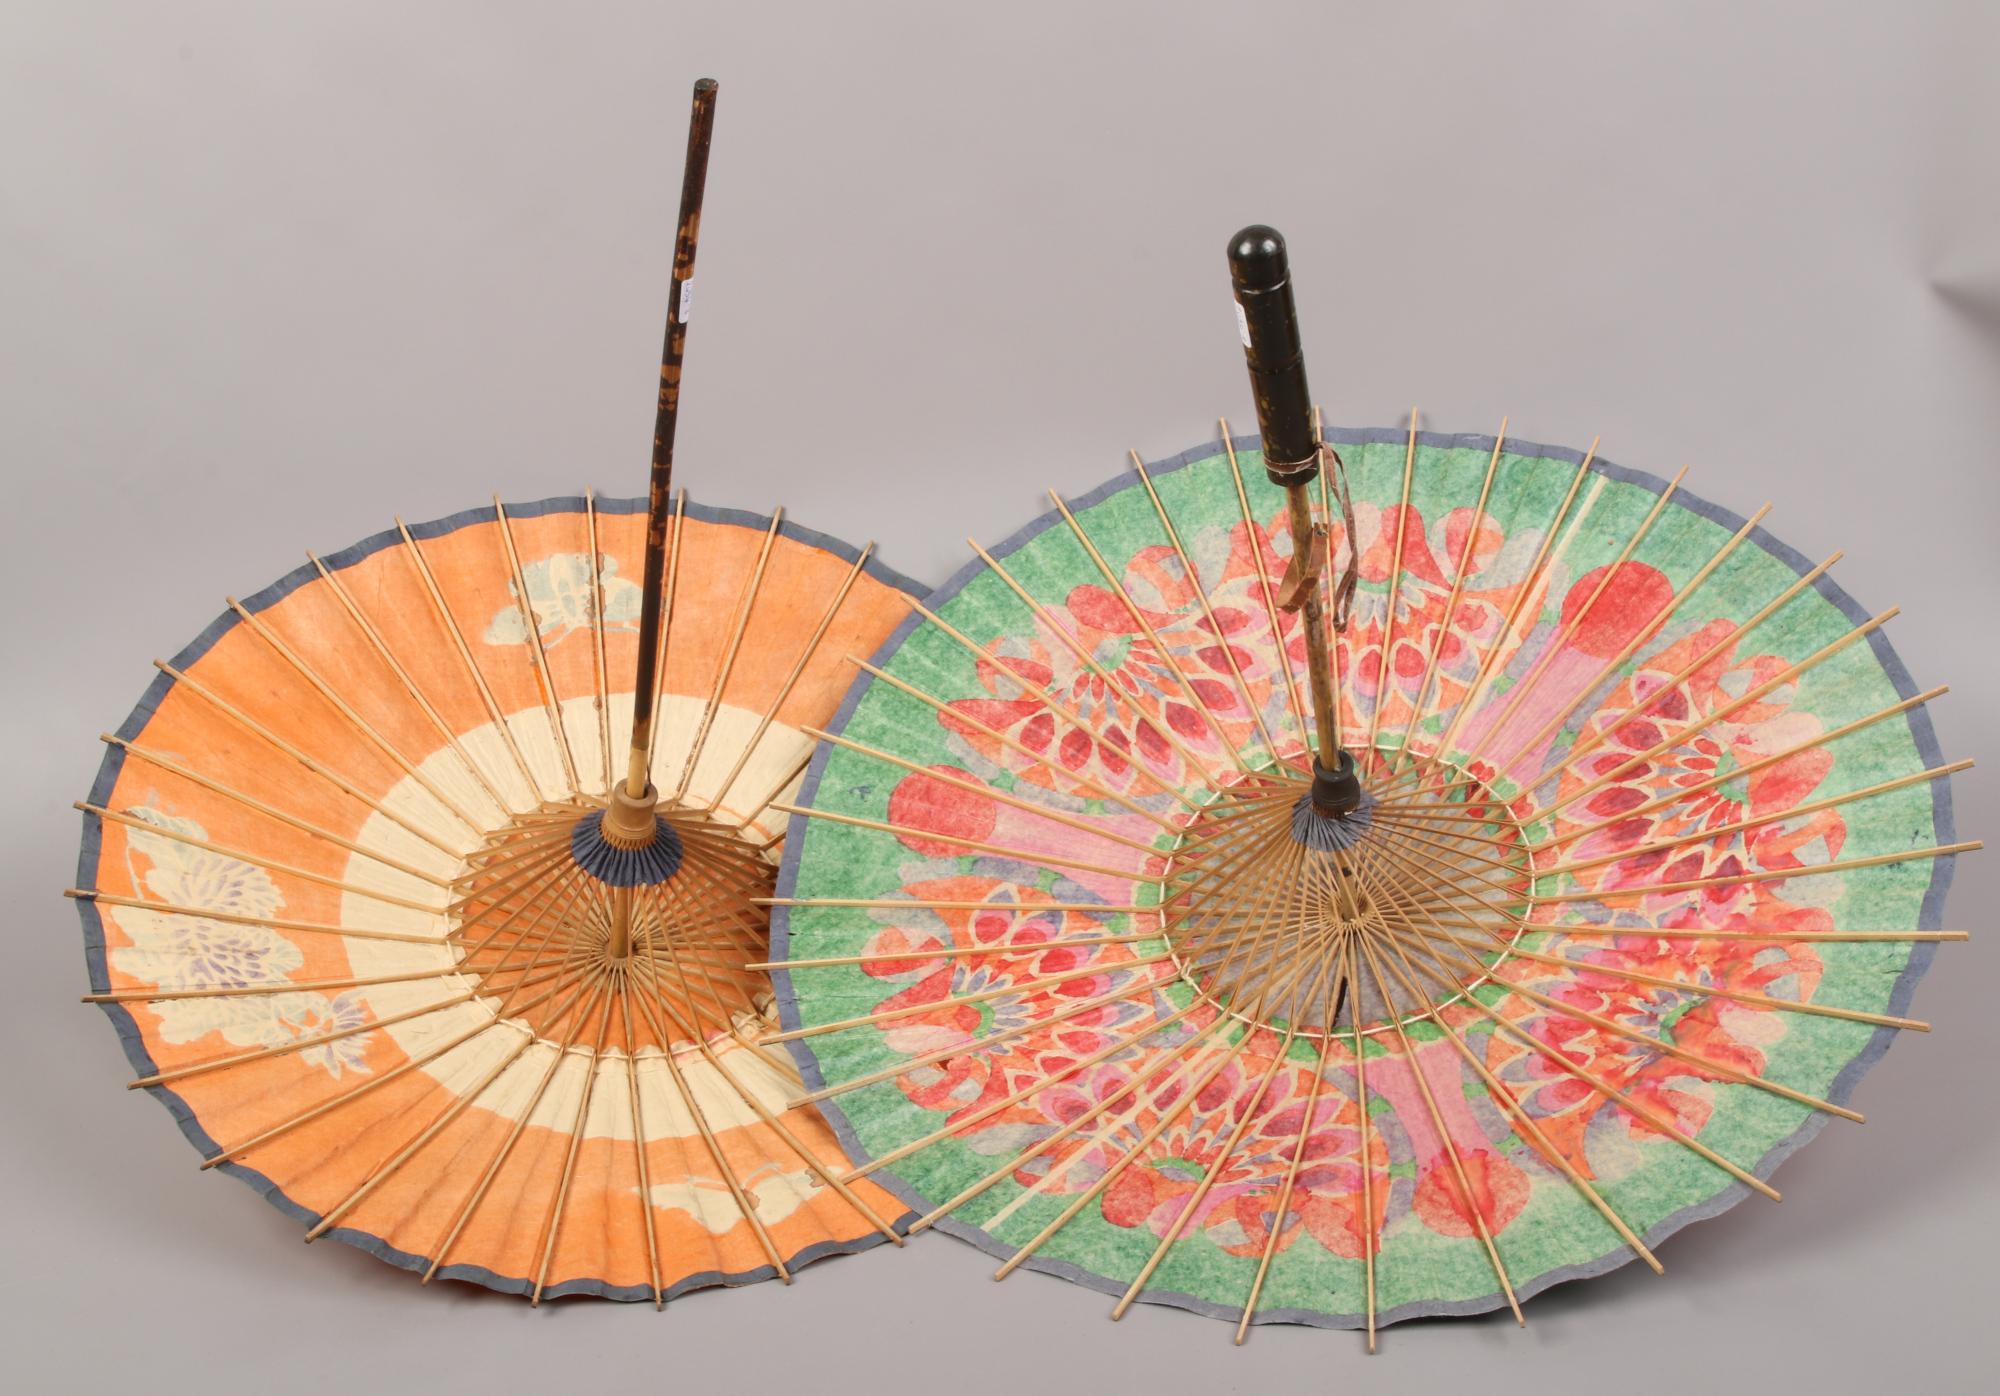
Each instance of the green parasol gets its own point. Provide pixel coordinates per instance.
(1631, 847)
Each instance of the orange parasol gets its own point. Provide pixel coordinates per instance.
(404, 942)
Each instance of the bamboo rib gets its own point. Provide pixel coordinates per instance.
(1221, 1020)
(551, 703)
(777, 1125)
(1712, 991)
(1393, 595)
(1772, 875)
(881, 826)
(514, 857)
(338, 782)
(957, 952)
(1530, 584)
(564, 980)
(1117, 1169)
(770, 797)
(1257, 538)
(1412, 818)
(1023, 987)
(1100, 791)
(298, 1044)
(167, 763)
(1183, 1059)
(478, 1194)
(1612, 1026)
(1451, 607)
(285, 986)
(1283, 1209)
(1739, 773)
(743, 1204)
(1616, 663)
(999, 796)
(1371, 1235)
(354, 719)
(1720, 714)
(785, 689)
(234, 1151)
(970, 1047)
(919, 905)
(647, 1221)
(1466, 1194)
(388, 1170)
(255, 859)
(1160, 728)
(1180, 1059)
(1755, 821)
(231, 918)
(1652, 1119)
(1193, 574)
(961, 1123)
(1774, 935)
(383, 652)
(1188, 1212)
(451, 628)
(602, 667)
(1523, 1121)
(727, 664)
(1519, 693)
(1588, 740)
(592, 1069)
(1167, 660)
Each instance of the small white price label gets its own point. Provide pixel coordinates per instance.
(1242, 323)
(687, 299)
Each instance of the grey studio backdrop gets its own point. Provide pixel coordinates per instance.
(271, 275)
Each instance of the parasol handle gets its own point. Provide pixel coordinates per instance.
(1260, 274)
(658, 509)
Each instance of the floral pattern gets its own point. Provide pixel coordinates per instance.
(1238, 1208)
(1549, 685)
(1118, 737)
(1684, 787)
(176, 952)
(563, 594)
(1384, 666)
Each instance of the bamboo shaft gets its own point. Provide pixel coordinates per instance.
(701, 125)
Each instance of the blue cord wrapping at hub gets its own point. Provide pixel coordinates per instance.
(625, 867)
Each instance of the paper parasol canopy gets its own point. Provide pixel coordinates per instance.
(330, 905)
(1653, 841)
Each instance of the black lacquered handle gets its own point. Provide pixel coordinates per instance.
(1261, 275)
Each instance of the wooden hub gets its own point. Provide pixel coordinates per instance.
(548, 941)
(1279, 933)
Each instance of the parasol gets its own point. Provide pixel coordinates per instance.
(408, 939)
(1393, 925)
